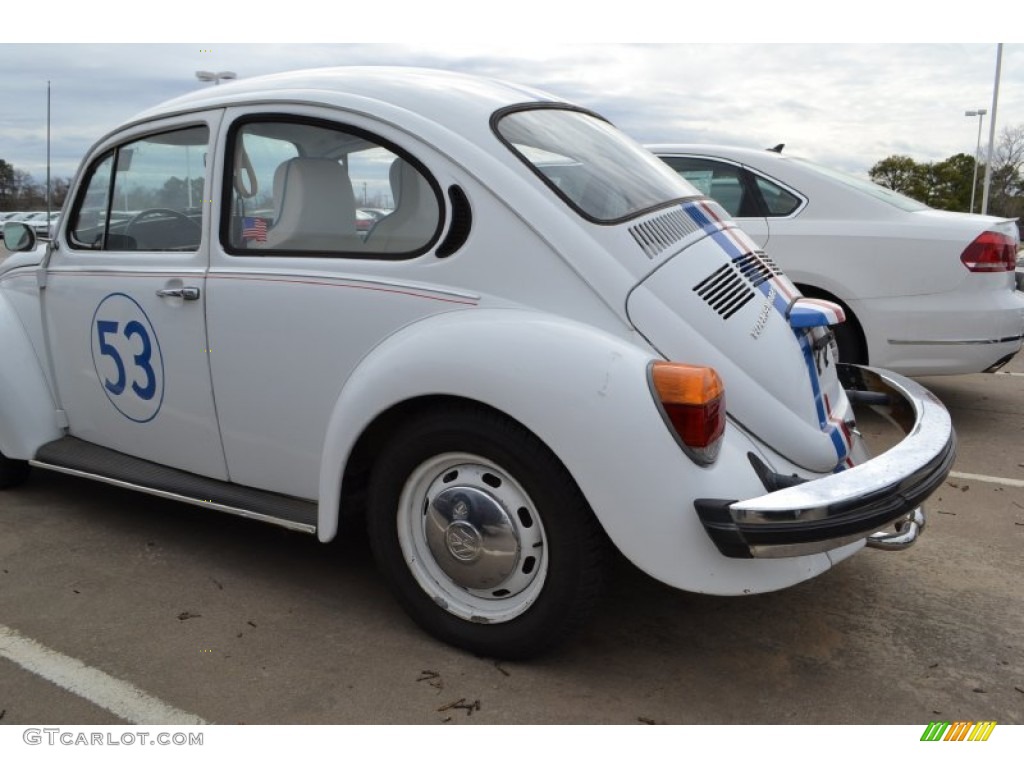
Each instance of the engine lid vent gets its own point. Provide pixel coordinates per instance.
(725, 290)
(656, 234)
(755, 268)
(729, 288)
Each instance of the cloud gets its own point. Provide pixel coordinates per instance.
(844, 105)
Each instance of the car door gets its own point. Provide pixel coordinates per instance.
(298, 293)
(731, 186)
(124, 299)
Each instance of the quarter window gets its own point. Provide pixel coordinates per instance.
(740, 192)
(777, 201)
(304, 187)
(90, 217)
(146, 195)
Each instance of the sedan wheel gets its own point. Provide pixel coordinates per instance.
(850, 342)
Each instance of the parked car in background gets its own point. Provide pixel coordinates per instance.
(376, 213)
(924, 291)
(364, 221)
(51, 224)
(552, 343)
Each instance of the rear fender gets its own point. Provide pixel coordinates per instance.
(585, 394)
(562, 380)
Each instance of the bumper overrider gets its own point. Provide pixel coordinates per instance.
(808, 516)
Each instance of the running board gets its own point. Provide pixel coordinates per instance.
(77, 457)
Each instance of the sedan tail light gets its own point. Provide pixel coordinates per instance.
(692, 400)
(991, 252)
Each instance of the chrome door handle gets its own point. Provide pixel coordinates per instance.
(188, 293)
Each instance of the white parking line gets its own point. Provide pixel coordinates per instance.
(116, 696)
(988, 479)
(1008, 373)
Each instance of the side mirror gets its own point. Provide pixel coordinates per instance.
(19, 236)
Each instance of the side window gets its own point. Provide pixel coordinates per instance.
(89, 220)
(146, 195)
(328, 190)
(779, 202)
(720, 181)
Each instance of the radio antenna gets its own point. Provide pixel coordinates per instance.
(47, 151)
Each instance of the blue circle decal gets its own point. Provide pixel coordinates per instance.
(127, 357)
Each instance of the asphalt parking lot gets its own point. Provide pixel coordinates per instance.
(230, 621)
(220, 620)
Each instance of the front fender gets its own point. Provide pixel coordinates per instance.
(561, 379)
(27, 410)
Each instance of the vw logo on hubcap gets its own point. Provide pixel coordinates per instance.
(463, 541)
(469, 533)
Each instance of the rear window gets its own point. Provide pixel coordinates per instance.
(876, 191)
(594, 167)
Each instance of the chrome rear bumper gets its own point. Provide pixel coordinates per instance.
(829, 512)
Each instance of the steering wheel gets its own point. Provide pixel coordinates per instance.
(153, 212)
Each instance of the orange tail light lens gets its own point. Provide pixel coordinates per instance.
(692, 400)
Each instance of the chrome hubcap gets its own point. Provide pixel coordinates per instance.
(472, 538)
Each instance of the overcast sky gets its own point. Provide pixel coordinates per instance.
(846, 105)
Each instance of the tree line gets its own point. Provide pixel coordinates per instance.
(947, 184)
(20, 191)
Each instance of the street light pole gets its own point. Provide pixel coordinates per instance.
(992, 130)
(980, 114)
(214, 77)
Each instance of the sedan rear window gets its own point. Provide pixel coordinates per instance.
(590, 164)
(876, 191)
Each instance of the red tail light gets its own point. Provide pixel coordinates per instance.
(991, 252)
(692, 400)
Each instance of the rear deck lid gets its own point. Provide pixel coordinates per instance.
(722, 302)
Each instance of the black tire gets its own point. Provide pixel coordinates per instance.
(482, 534)
(850, 341)
(12, 472)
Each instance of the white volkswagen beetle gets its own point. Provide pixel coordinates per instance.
(551, 342)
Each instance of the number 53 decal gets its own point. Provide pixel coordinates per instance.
(127, 357)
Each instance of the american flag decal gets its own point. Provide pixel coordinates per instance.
(254, 229)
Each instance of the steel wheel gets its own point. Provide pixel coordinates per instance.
(482, 534)
(472, 537)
